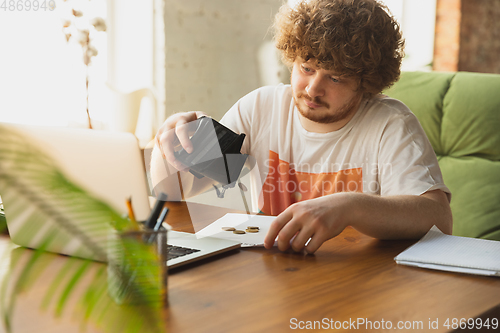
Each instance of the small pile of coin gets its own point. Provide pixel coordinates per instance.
(252, 229)
(235, 231)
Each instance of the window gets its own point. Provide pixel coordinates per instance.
(417, 20)
(43, 76)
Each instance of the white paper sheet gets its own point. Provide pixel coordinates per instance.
(452, 253)
(241, 222)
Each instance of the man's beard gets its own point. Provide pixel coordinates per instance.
(319, 116)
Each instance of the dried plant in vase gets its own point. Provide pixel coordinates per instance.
(82, 30)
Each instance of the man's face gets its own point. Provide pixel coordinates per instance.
(322, 96)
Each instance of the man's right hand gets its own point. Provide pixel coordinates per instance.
(174, 131)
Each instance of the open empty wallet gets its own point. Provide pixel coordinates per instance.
(216, 152)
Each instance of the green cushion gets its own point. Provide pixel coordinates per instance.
(475, 185)
(460, 113)
(471, 116)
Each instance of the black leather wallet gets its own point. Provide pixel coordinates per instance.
(216, 152)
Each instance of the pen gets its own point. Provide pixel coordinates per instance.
(155, 213)
(131, 214)
(158, 225)
(162, 218)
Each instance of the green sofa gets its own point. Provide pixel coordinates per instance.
(460, 112)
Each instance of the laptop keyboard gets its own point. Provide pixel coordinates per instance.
(178, 251)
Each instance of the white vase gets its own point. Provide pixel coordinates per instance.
(126, 108)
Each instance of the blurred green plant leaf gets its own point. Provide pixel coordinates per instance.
(38, 192)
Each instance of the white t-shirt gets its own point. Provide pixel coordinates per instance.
(383, 150)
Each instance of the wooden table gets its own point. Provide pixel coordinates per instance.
(351, 279)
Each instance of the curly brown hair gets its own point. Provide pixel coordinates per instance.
(355, 38)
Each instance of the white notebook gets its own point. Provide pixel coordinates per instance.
(452, 253)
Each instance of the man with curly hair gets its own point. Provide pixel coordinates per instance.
(332, 151)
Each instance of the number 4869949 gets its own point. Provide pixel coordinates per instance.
(27, 5)
(471, 323)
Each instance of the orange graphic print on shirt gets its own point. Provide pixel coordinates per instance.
(284, 185)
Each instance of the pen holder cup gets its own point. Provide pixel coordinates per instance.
(137, 269)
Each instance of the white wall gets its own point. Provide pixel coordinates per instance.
(212, 51)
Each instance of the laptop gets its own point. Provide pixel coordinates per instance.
(108, 166)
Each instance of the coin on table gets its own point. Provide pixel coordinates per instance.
(238, 232)
(228, 229)
(250, 227)
(252, 230)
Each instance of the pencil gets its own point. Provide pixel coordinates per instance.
(135, 225)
